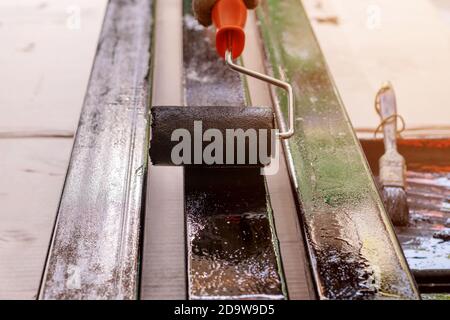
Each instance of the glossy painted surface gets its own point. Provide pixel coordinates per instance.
(232, 247)
(425, 240)
(95, 247)
(351, 242)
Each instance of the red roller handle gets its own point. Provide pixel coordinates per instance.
(229, 17)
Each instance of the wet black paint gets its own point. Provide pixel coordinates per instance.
(230, 240)
(232, 249)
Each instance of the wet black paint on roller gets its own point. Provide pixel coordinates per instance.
(165, 120)
(230, 240)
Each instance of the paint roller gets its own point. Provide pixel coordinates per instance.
(218, 135)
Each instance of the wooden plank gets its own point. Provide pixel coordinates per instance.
(43, 79)
(95, 246)
(351, 243)
(164, 264)
(369, 42)
(33, 167)
(443, 7)
(43, 83)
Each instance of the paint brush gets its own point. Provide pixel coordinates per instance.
(392, 163)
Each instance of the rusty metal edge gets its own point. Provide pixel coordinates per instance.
(95, 247)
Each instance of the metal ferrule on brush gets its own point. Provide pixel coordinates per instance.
(392, 169)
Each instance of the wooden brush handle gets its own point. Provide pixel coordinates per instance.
(388, 108)
(392, 164)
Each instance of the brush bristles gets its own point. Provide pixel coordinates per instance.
(396, 204)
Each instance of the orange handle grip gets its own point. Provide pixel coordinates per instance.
(229, 17)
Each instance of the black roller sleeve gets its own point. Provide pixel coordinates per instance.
(165, 120)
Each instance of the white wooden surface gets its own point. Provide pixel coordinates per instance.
(32, 173)
(443, 7)
(367, 42)
(45, 61)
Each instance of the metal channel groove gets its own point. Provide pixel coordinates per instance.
(163, 257)
(94, 253)
(232, 248)
(352, 245)
(292, 247)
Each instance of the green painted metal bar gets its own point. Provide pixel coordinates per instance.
(353, 249)
(232, 248)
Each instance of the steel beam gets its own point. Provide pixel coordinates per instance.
(94, 252)
(353, 248)
(232, 246)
